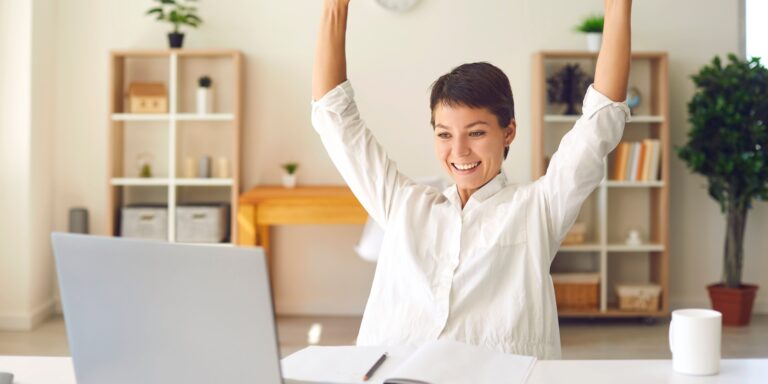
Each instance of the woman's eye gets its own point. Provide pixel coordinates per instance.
(443, 135)
(477, 133)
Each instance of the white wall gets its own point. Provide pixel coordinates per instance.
(26, 294)
(393, 58)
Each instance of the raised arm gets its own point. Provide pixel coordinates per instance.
(330, 67)
(612, 72)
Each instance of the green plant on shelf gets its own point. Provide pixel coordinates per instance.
(591, 24)
(204, 82)
(290, 168)
(176, 12)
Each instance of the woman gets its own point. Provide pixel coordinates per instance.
(470, 263)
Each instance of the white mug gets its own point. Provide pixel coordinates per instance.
(694, 339)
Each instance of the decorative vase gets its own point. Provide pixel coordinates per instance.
(734, 303)
(289, 180)
(204, 100)
(175, 40)
(594, 40)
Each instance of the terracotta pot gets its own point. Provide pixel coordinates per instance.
(734, 303)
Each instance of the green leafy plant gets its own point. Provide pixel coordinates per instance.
(204, 82)
(290, 168)
(728, 144)
(592, 23)
(177, 13)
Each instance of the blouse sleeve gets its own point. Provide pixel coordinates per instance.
(577, 167)
(362, 162)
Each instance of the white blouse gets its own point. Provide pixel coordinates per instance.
(478, 275)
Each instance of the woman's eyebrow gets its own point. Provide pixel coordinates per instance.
(470, 125)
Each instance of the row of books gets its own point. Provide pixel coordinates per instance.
(637, 161)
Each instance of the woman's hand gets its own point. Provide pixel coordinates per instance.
(612, 72)
(330, 66)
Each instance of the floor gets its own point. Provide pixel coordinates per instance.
(581, 339)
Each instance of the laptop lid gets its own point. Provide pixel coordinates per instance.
(154, 312)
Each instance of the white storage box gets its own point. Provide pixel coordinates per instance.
(638, 297)
(144, 222)
(201, 223)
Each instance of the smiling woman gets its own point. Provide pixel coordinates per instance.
(469, 263)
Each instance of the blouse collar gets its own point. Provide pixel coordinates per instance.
(489, 189)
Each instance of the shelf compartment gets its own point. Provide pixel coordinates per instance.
(127, 68)
(219, 68)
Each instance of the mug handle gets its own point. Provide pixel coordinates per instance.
(671, 332)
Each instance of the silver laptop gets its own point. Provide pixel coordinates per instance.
(153, 312)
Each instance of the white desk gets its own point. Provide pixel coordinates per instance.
(58, 370)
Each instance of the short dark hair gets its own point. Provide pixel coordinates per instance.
(475, 85)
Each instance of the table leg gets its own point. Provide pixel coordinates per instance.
(246, 225)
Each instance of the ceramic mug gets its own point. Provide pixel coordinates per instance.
(694, 340)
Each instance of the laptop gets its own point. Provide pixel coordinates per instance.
(154, 312)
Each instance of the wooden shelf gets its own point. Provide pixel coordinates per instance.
(212, 182)
(139, 181)
(635, 248)
(179, 136)
(205, 117)
(140, 117)
(615, 206)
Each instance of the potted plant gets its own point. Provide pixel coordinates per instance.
(592, 26)
(204, 95)
(728, 144)
(289, 177)
(178, 14)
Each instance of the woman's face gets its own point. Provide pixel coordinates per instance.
(470, 144)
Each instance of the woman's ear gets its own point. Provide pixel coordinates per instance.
(510, 132)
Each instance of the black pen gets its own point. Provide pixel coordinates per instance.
(376, 366)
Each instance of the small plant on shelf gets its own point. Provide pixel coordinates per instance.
(204, 95)
(178, 13)
(592, 26)
(289, 177)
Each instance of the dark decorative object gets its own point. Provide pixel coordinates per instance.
(204, 82)
(177, 13)
(727, 144)
(78, 220)
(568, 86)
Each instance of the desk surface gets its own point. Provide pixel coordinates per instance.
(58, 370)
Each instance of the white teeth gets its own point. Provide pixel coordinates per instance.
(464, 167)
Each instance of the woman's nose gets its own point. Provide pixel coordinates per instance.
(460, 147)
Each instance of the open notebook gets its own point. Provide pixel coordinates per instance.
(435, 362)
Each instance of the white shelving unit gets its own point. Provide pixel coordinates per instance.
(615, 205)
(184, 132)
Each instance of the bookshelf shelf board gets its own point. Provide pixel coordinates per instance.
(580, 248)
(573, 118)
(139, 181)
(633, 184)
(635, 248)
(205, 117)
(610, 312)
(140, 117)
(203, 182)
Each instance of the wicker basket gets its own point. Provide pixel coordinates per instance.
(638, 297)
(577, 291)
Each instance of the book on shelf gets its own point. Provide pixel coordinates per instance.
(637, 161)
(434, 362)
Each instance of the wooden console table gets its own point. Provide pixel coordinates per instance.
(264, 206)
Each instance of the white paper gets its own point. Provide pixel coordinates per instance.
(451, 362)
